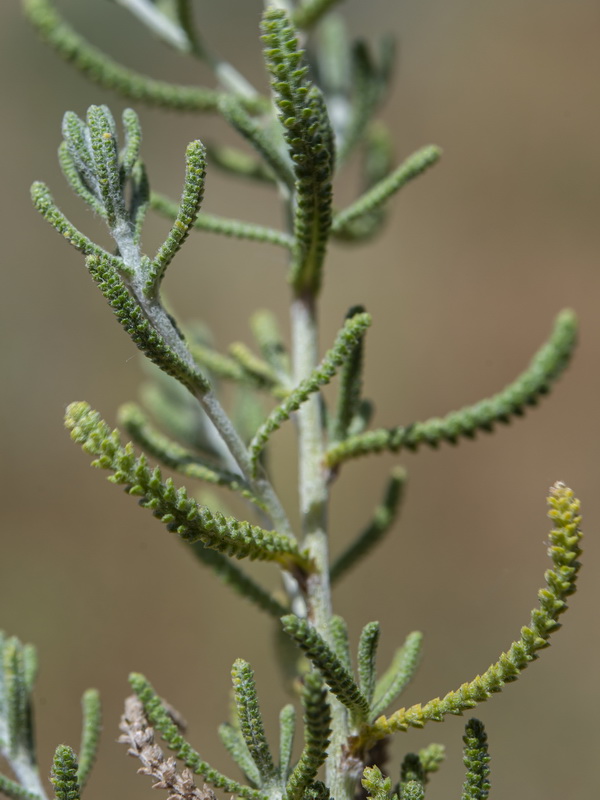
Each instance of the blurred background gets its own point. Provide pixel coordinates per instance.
(478, 257)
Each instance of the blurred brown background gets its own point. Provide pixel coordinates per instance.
(464, 284)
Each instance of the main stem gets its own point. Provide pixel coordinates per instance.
(314, 498)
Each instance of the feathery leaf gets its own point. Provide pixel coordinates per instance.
(228, 227)
(375, 197)
(44, 203)
(138, 734)
(545, 367)
(376, 786)
(257, 370)
(476, 760)
(15, 791)
(367, 652)
(15, 704)
(350, 387)
(343, 347)
(431, 758)
(237, 162)
(64, 774)
(193, 192)
(287, 729)
(323, 658)
(384, 517)
(107, 73)
(226, 367)
(90, 734)
(399, 674)
(269, 339)
(338, 631)
(143, 334)
(250, 719)
(413, 790)
(311, 11)
(377, 165)
(238, 750)
(234, 577)
(412, 770)
(17, 745)
(173, 455)
(317, 722)
(309, 138)
(105, 177)
(161, 720)
(30, 666)
(369, 82)
(259, 138)
(172, 506)
(564, 550)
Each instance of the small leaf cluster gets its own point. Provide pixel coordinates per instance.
(244, 738)
(69, 774)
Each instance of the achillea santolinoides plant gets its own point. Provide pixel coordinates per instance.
(324, 94)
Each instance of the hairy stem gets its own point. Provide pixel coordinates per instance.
(313, 508)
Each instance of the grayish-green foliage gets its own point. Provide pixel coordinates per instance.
(325, 91)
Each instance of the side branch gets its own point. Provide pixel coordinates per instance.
(564, 551)
(546, 366)
(180, 513)
(110, 75)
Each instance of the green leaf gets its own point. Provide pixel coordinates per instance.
(431, 758)
(413, 790)
(16, 703)
(105, 178)
(15, 791)
(317, 730)
(546, 366)
(476, 760)
(161, 720)
(323, 658)
(175, 456)
(270, 341)
(237, 162)
(343, 347)
(412, 770)
(143, 334)
(375, 197)
(258, 371)
(234, 577)
(377, 164)
(309, 138)
(259, 138)
(238, 750)
(222, 225)
(109, 74)
(90, 735)
(367, 652)
(564, 550)
(18, 666)
(44, 203)
(369, 82)
(338, 631)
(64, 774)
(349, 394)
(384, 518)
(376, 786)
(191, 199)
(287, 729)
(399, 674)
(172, 506)
(310, 12)
(250, 719)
